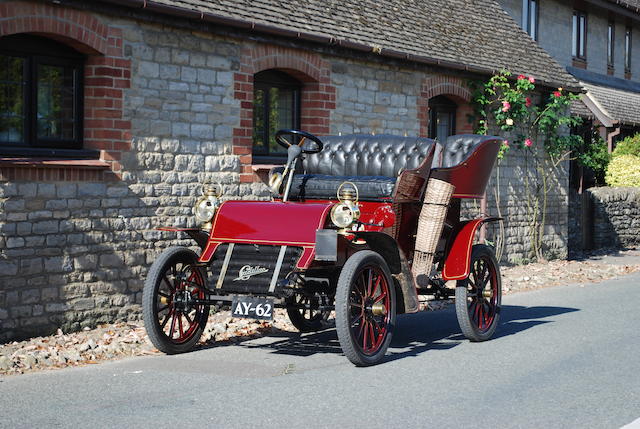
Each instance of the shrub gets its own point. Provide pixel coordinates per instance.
(624, 170)
(628, 146)
(595, 155)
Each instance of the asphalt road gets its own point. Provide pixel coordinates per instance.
(564, 357)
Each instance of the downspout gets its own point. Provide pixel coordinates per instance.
(611, 136)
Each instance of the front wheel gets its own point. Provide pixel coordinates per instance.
(174, 322)
(478, 297)
(365, 308)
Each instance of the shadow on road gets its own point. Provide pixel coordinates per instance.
(415, 333)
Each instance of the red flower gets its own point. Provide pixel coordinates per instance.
(527, 102)
(557, 94)
(528, 143)
(532, 80)
(521, 77)
(506, 106)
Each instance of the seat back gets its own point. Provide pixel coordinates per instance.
(458, 148)
(367, 155)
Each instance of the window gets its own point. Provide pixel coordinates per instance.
(276, 105)
(611, 40)
(40, 95)
(530, 17)
(442, 117)
(627, 50)
(579, 35)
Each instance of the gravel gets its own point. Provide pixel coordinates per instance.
(120, 340)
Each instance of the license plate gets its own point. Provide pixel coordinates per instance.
(253, 308)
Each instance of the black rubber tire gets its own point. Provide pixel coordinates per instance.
(173, 256)
(316, 322)
(471, 302)
(353, 268)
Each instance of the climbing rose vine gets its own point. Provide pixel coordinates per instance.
(538, 133)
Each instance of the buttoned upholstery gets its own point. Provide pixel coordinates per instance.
(372, 162)
(459, 147)
(367, 155)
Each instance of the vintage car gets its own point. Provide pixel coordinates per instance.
(367, 226)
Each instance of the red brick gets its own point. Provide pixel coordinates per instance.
(246, 178)
(241, 150)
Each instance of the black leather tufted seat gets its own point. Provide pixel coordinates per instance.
(459, 147)
(372, 162)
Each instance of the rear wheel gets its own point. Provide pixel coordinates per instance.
(365, 308)
(478, 297)
(173, 321)
(305, 313)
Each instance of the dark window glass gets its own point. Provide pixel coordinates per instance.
(442, 117)
(530, 17)
(611, 39)
(12, 92)
(579, 37)
(276, 105)
(40, 94)
(627, 49)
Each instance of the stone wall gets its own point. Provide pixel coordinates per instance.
(616, 217)
(75, 248)
(506, 198)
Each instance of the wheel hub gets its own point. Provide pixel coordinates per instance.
(487, 293)
(181, 300)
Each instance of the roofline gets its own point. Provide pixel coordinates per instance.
(211, 18)
(618, 7)
(598, 110)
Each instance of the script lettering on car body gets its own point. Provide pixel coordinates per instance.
(247, 271)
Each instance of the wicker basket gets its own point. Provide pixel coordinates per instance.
(430, 223)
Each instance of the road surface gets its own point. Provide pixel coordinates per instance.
(563, 357)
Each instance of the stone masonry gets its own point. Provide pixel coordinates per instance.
(75, 248)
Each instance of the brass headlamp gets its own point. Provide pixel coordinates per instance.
(346, 212)
(207, 204)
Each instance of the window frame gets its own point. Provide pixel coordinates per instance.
(528, 17)
(628, 48)
(611, 44)
(283, 81)
(442, 104)
(31, 49)
(579, 35)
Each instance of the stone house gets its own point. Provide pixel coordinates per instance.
(113, 112)
(594, 41)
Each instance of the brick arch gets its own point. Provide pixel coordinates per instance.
(73, 27)
(451, 86)
(107, 72)
(318, 94)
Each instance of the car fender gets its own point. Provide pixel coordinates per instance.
(200, 236)
(456, 266)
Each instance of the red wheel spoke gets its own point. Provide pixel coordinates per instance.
(356, 320)
(366, 332)
(166, 319)
(369, 291)
(173, 324)
(180, 330)
(186, 316)
(372, 337)
(380, 297)
(168, 282)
